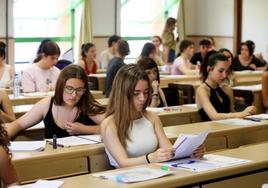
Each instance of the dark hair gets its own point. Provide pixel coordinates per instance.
(87, 104)
(185, 44)
(222, 50)
(227, 50)
(85, 47)
(205, 42)
(170, 22)
(4, 140)
(148, 63)
(212, 58)
(158, 37)
(39, 50)
(147, 49)
(123, 47)
(49, 48)
(252, 44)
(2, 49)
(112, 39)
(250, 48)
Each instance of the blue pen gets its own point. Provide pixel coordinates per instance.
(120, 178)
(188, 162)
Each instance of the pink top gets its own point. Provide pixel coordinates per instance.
(175, 67)
(36, 79)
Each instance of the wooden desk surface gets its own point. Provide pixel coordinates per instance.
(60, 162)
(221, 135)
(257, 173)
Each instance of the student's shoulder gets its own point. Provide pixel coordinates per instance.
(108, 121)
(203, 88)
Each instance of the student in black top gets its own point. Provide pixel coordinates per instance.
(245, 60)
(204, 47)
(69, 112)
(115, 64)
(214, 98)
(151, 69)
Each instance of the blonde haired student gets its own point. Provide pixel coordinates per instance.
(214, 97)
(132, 135)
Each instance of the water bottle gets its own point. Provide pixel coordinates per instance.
(16, 87)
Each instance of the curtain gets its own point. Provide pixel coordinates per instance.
(180, 21)
(85, 26)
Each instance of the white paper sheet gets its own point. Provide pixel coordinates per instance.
(93, 137)
(23, 146)
(134, 175)
(72, 141)
(237, 121)
(41, 184)
(209, 162)
(186, 144)
(259, 116)
(257, 87)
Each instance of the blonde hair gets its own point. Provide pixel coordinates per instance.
(121, 105)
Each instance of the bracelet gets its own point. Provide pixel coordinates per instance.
(147, 158)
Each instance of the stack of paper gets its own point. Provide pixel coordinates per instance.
(17, 146)
(209, 162)
(77, 140)
(133, 175)
(186, 144)
(41, 184)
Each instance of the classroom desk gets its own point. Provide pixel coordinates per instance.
(255, 91)
(247, 175)
(61, 162)
(98, 81)
(222, 136)
(247, 77)
(19, 110)
(166, 79)
(32, 99)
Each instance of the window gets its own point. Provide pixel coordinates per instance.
(141, 19)
(35, 20)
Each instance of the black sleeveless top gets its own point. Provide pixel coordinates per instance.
(52, 128)
(220, 106)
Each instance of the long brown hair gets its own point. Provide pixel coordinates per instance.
(87, 104)
(4, 140)
(121, 97)
(168, 25)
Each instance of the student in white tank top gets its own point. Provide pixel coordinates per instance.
(132, 135)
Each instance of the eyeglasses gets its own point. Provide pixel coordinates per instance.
(79, 91)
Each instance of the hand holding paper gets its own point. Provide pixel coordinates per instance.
(185, 144)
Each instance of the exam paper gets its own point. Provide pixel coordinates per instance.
(208, 162)
(137, 174)
(237, 121)
(24, 146)
(75, 140)
(259, 116)
(41, 184)
(186, 144)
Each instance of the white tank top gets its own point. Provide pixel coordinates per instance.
(142, 140)
(5, 79)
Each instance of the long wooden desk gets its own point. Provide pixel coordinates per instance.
(247, 77)
(32, 99)
(61, 162)
(221, 135)
(255, 92)
(248, 175)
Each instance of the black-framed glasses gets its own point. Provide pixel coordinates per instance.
(79, 91)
